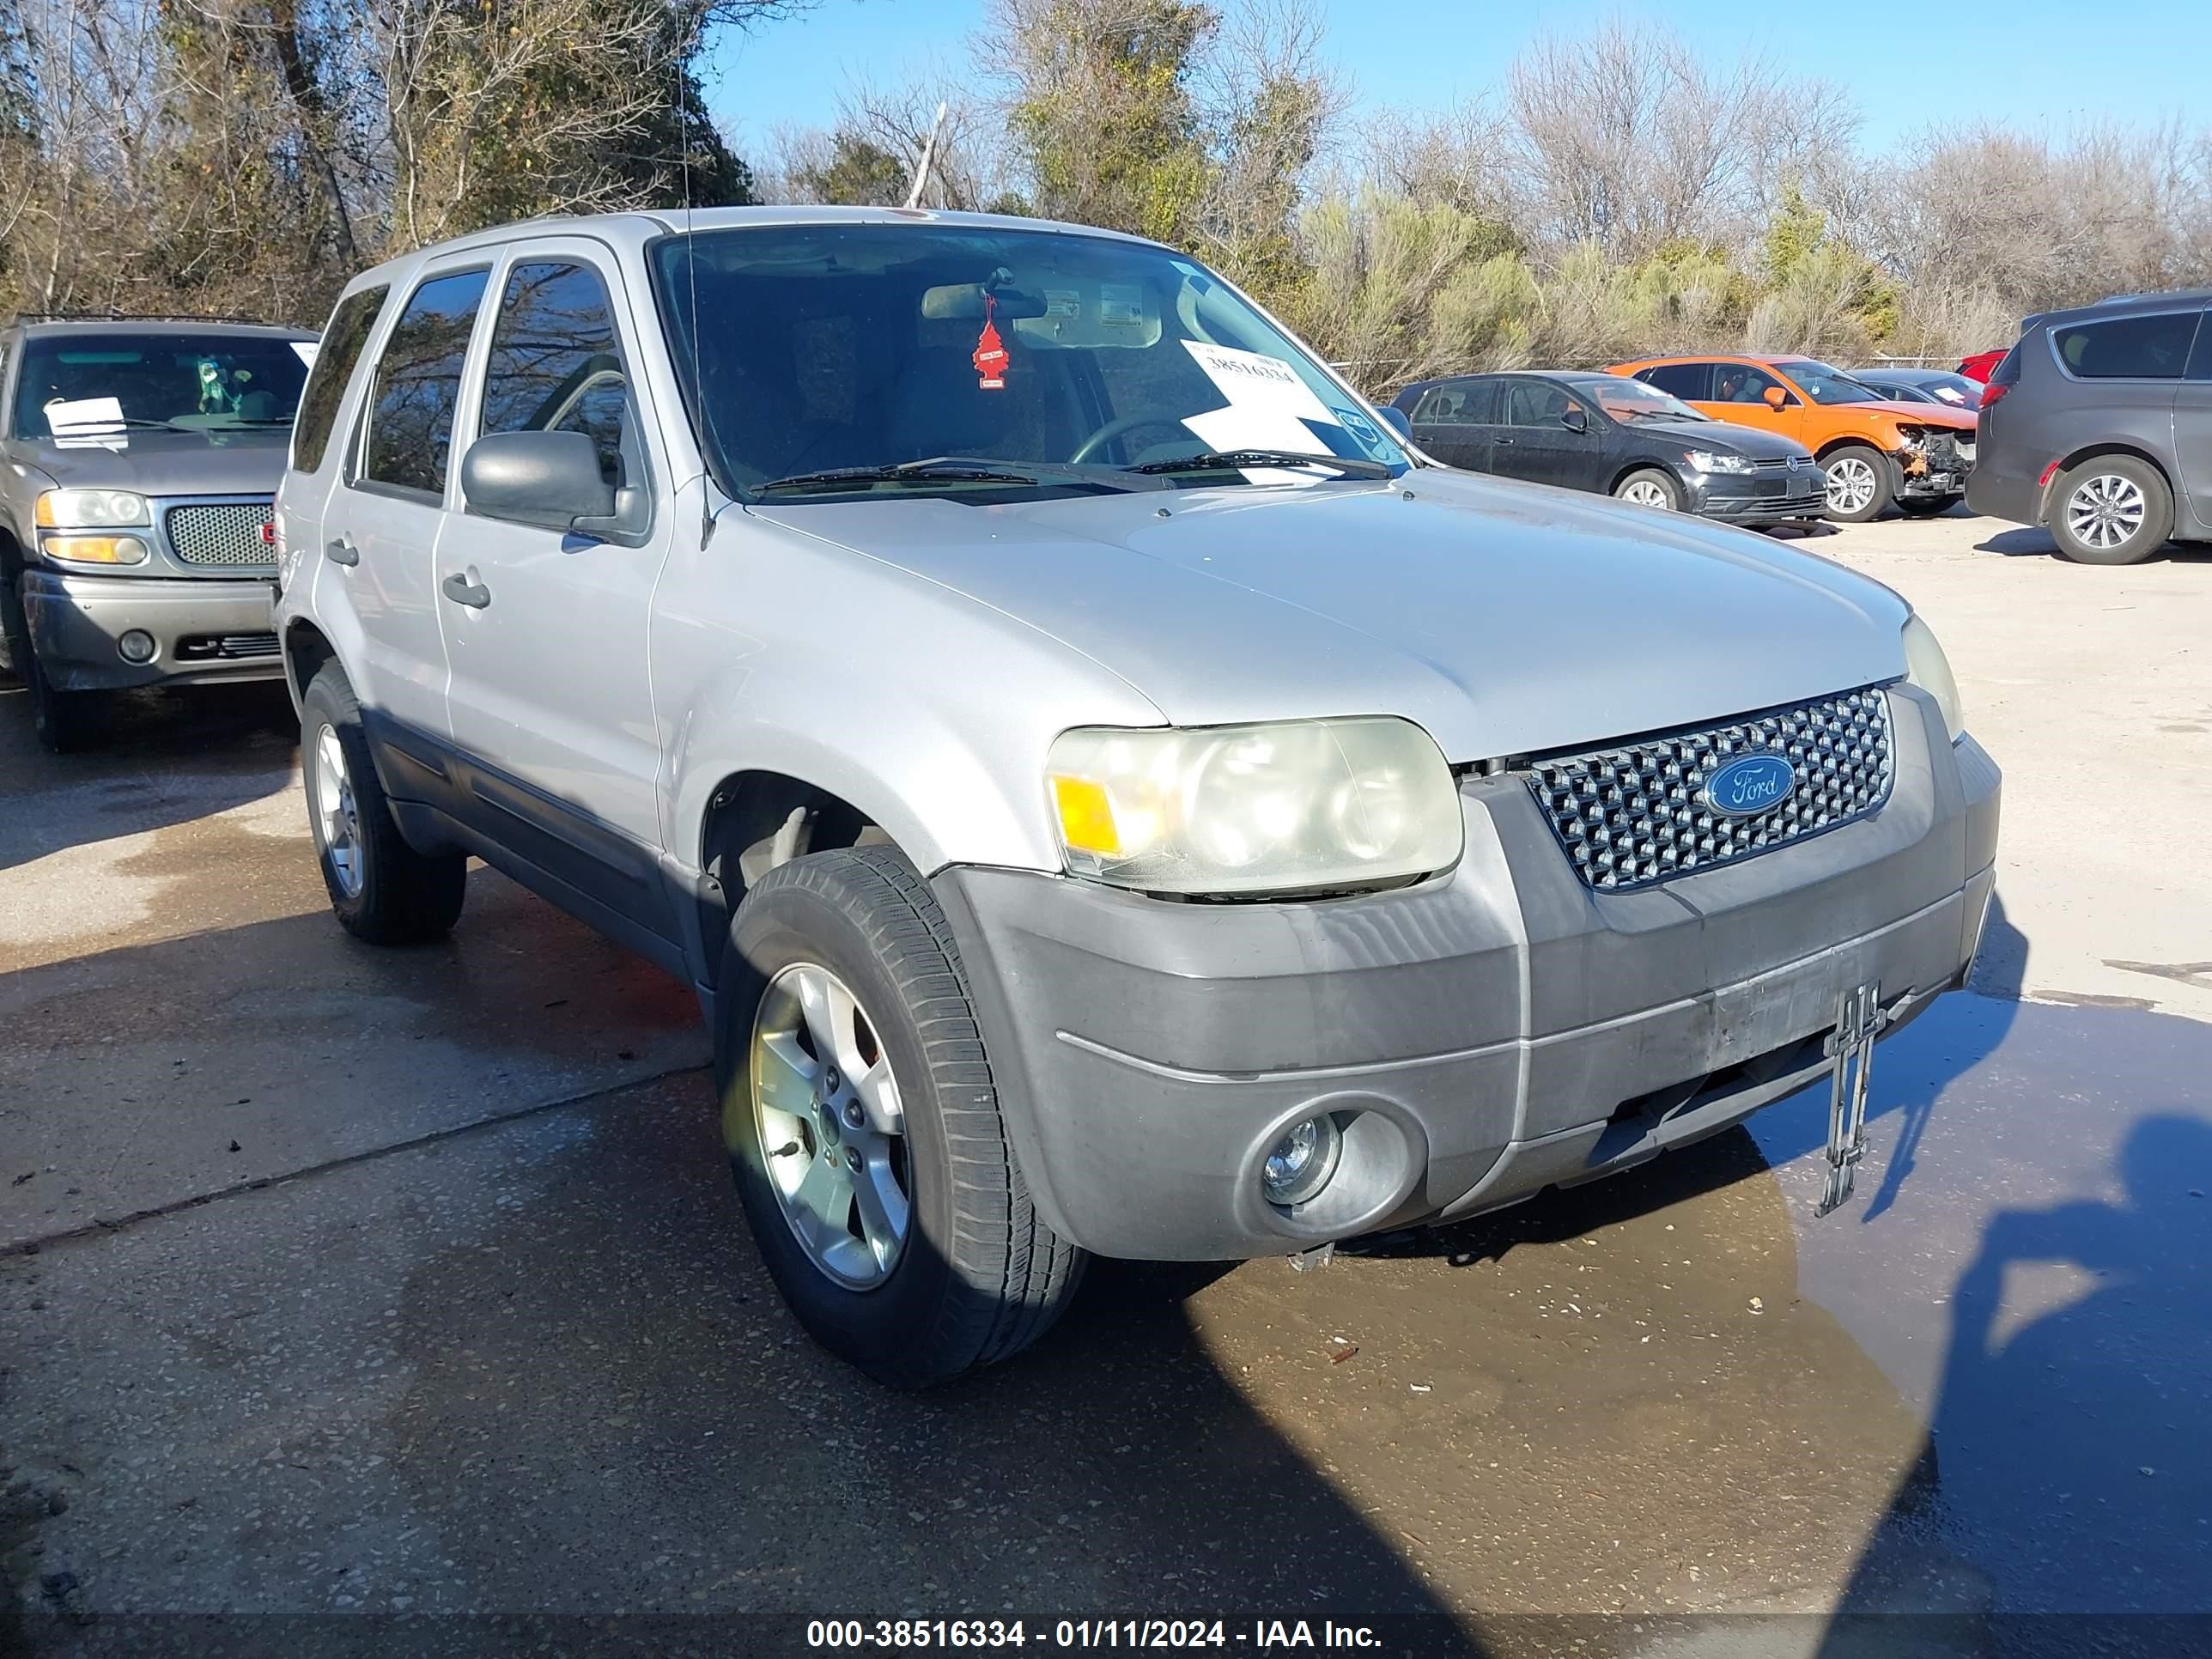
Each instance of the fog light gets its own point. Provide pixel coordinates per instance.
(1302, 1161)
(136, 646)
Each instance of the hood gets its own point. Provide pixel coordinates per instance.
(1723, 437)
(1506, 619)
(232, 461)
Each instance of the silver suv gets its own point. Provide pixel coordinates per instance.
(1109, 794)
(138, 460)
(2098, 424)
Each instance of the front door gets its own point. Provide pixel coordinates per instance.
(547, 629)
(1740, 394)
(1535, 442)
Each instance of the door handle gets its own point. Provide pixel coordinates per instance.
(461, 591)
(342, 552)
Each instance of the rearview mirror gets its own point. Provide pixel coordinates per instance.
(1776, 396)
(1394, 418)
(551, 479)
(1574, 420)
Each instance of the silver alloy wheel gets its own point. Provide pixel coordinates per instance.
(1647, 492)
(336, 815)
(1851, 484)
(832, 1131)
(2106, 511)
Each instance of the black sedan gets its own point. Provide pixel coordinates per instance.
(1614, 437)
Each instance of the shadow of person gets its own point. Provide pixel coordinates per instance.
(2065, 1467)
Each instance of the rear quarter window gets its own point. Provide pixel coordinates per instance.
(2154, 348)
(335, 361)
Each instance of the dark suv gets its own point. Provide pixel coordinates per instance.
(2098, 424)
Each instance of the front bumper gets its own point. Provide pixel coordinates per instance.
(1760, 497)
(1481, 1036)
(204, 628)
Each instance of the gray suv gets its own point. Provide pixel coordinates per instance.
(1109, 793)
(141, 457)
(2098, 424)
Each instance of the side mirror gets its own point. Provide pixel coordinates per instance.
(1394, 418)
(551, 479)
(1776, 396)
(1574, 420)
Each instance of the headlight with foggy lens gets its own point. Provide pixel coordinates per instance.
(1302, 805)
(1926, 667)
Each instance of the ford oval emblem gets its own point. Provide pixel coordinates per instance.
(1750, 784)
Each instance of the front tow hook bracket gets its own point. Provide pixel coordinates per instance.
(1860, 1019)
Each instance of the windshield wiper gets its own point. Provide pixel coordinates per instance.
(953, 469)
(1226, 460)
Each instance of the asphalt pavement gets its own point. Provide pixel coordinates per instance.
(400, 1299)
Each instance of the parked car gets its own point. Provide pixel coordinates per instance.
(1614, 437)
(1981, 365)
(140, 458)
(1110, 797)
(1921, 386)
(2098, 424)
(1877, 452)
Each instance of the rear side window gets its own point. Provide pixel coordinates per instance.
(556, 362)
(1461, 402)
(418, 385)
(326, 381)
(2128, 348)
(2200, 360)
(1691, 382)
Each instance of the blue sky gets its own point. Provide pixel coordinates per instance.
(2043, 62)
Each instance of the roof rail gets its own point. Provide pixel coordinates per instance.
(138, 317)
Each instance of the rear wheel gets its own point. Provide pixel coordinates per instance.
(1927, 507)
(1649, 487)
(1858, 484)
(864, 1128)
(2112, 509)
(384, 891)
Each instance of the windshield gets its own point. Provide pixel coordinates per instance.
(1632, 400)
(1824, 385)
(91, 381)
(827, 347)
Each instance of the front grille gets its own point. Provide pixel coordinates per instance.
(223, 532)
(1785, 464)
(1636, 814)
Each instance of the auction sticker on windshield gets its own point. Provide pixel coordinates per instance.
(1269, 405)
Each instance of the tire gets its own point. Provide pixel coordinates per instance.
(1648, 486)
(977, 1275)
(1859, 484)
(2110, 509)
(1927, 507)
(384, 891)
(64, 721)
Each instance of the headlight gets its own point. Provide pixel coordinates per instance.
(1302, 805)
(1926, 667)
(92, 509)
(1704, 460)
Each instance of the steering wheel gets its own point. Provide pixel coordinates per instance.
(1113, 430)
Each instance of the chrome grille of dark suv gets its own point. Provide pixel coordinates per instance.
(1636, 814)
(220, 532)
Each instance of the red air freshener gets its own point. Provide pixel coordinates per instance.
(990, 358)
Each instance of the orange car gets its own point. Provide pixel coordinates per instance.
(1877, 452)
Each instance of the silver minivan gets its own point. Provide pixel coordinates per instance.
(1110, 794)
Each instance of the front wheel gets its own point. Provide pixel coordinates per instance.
(864, 1129)
(383, 891)
(64, 721)
(1927, 507)
(2112, 509)
(1649, 487)
(1858, 484)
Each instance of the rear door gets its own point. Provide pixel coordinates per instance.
(383, 522)
(2192, 433)
(1452, 421)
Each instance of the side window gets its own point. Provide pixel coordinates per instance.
(1456, 404)
(1536, 403)
(327, 381)
(556, 364)
(2200, 360)
(1740, 383)
(1691, 382)
(2129, 348)
(418, 385)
